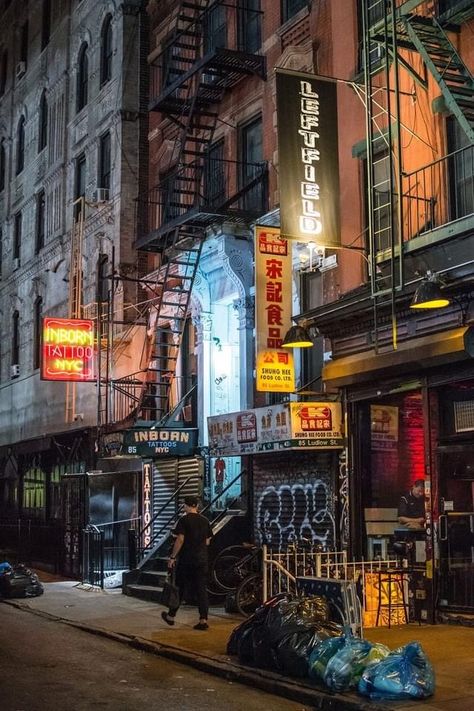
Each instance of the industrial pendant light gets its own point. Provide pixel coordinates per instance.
(297, 337)
(429, 295)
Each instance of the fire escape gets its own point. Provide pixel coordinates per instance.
(390, 27)
(213, 46)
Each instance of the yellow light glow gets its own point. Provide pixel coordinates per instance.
(435, 304)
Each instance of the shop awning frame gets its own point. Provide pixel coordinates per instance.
(425, 352)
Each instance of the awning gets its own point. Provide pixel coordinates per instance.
(424, 352)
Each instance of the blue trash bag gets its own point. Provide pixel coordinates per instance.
(321, 655)
(5, 567)
(405, 674)
(344, 669)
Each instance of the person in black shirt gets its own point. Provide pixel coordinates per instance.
(193, 534)
(411, 509)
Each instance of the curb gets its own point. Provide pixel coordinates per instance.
(267, 681)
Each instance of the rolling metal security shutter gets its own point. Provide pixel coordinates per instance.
(168, 475)
(294, 497)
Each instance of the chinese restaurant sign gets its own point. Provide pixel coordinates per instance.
(68, 350)
(159, 442)
(274, 364)
(296, 425)
(308, 158)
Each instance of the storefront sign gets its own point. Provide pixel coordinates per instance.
(146, 504)
(68, 350)
(308, 158)
(383, 427)
(310, 425)
(275, 369)
(160, 442)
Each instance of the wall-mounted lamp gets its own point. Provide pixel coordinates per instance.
(429, 295)
(297, 337)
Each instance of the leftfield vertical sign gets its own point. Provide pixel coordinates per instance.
(273, 297)
(68, 351)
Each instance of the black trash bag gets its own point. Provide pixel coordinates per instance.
(257, 619)
(20, 582)
(293, 651)
(245, 649)
(294, 616)
(263, 656)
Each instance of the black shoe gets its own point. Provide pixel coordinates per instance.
(168, 620)
(201, 626)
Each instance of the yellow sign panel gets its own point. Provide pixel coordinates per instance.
(274, 364)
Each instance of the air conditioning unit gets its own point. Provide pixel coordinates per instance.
(16, 263)
(15, 370)
(20, 69)
(100, 195)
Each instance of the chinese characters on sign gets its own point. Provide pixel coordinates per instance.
(275, 370)
(314, 425)
(308, 158)
(68, 350)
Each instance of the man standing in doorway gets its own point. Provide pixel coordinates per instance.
(411, 508)
(193, 535)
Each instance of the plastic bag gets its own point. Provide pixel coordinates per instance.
(293, 652)
(344, 669)
(19, 582)
(321, 655)
(404, 674)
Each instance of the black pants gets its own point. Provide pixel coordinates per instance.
(193, 577)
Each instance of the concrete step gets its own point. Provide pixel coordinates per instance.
(144, 592)
(155, 578)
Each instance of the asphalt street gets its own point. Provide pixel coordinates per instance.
(47, 665)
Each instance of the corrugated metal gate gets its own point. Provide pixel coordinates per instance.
(168, 475)
(295, 498)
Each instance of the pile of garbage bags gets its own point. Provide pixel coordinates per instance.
(282, 634)
(296, 637)
(18, 581)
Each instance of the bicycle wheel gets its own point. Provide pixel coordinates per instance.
(224, 572)
(249, 595)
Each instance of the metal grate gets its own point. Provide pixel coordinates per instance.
(464, 416)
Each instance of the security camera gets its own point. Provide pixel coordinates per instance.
(78, 417)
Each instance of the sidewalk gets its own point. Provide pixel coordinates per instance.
(138, 623)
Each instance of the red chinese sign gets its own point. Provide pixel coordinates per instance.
(275, 371)
(68, 350)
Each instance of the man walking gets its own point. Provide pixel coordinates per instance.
(193, 535)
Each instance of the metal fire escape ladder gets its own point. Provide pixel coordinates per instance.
(181, 244)
(456, 82)
(383, 159)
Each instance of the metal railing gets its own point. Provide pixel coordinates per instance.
(210, 187)
(106, 549)
(438, 193)
(282, 568)
(31, 541)
(224, 24)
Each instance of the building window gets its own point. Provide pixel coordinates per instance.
(215, 28)
(106, 51)
(79, 184)
(251, 158)
(46, 23)
(82, 78)
(40, 220)
(17, 227)
(104, 162)
(15, 344)
(291, 7)
(43, 123)
(214, 175)
(3, 72)
(24, 44)
(37, 332)
(250, 28)
(3, 165)
(461, 171)
(20, 145)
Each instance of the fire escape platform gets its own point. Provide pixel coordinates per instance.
(223, 68)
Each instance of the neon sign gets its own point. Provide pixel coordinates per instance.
(68, 350)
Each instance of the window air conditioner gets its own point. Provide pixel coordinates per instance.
(20, 69)
(15, 370)
(101, 195)
(16, 263)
